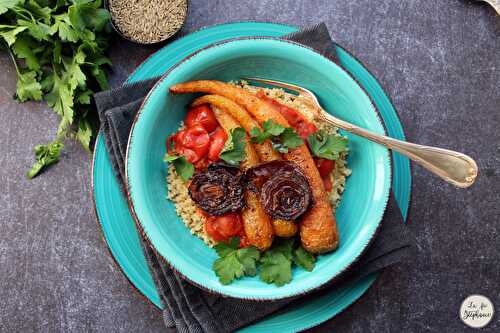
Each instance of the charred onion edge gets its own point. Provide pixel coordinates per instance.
(273, 174)
(226, 181)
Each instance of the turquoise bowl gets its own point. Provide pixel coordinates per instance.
(367, 189)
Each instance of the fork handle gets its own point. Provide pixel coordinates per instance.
(454, 167)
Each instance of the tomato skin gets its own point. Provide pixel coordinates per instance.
(201, 115)
(305, 128)
(190, 155)
(222, 228)
(194, 137)
(193, 143)
(301, 124)
(217, 141)
(325, 167)
(212, 231)
(201, 164)
(327, 182)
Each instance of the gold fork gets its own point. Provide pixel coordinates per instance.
(454, 167)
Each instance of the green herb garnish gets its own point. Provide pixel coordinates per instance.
(234, 263)
(234, 150)
(45, 156)
(274, 265)
(183, 168)
(282, 138)
(327, 146)
(57, 48)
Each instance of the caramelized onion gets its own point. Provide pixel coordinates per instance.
(218, 189)
(284, 191)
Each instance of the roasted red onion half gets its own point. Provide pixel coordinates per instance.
(218, 189)
(284, 190)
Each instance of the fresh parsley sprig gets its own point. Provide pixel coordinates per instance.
(234, 263)
(327, 146)
(234, 149)
(282, 138)
(183, 168)
(274, 265)
(57, 48)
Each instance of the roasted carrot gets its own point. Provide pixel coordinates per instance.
(257, 224)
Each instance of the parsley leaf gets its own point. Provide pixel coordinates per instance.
(228, 268)
(183, 168)
(84, 133)
(9, 35)
(282, 138)
(5, 5)
(61, 100)
(85, 14)
(45, 155)
(290, 138)
(276, 263)
(234, 150)
(248, 257)
(328, 146)
(38, 30)
(234, 263)
(28, 87)
(275, 268)
(303, 258)
(64, 28)
(24, 48)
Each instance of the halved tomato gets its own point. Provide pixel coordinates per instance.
(201, 115)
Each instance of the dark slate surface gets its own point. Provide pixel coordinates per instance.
(439, 60)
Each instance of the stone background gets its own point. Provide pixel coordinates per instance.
(440, 62)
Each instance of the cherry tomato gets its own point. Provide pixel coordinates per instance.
(327, 182)
(202, 115)
(324, 166)
(217, 140)
(229, 225)
(193, 143)
(194, 137)
(191, 155)
(212, 231)
(222, 228)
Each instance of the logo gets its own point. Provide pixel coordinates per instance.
(476, 311)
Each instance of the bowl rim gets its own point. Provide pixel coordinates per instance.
(143, 232)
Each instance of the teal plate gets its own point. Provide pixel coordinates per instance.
(119, 229)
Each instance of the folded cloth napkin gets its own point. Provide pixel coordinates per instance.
(190, 309)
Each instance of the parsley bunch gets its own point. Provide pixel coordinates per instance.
(57, 47)
(273, 265)
(282, 138)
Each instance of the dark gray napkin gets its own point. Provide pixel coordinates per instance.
(191, 309)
